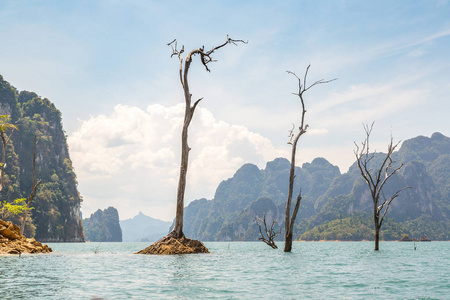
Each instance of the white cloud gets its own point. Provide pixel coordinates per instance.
(130, 158)
(318, 131)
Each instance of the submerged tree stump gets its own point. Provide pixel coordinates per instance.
(170, 245)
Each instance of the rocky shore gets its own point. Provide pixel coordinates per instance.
(13, 242)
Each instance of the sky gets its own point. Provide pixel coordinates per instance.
(107, 67)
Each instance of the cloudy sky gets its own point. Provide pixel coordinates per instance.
(107, 67)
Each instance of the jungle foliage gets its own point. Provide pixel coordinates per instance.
(56, 213)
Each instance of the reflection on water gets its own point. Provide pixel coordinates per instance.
(231, 271)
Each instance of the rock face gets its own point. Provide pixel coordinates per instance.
(13, 242)
(230, 215)
(170, 245)
(56, 212)
(103, 226)
(332, 203)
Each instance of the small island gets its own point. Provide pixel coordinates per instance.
(406, 238)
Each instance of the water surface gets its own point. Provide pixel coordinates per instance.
(236, 270)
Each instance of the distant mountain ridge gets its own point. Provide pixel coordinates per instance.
(142, 228)
(329, 196)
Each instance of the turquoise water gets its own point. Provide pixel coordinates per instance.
(237, 270)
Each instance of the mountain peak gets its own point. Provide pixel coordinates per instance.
(277, 164)
(437, 136)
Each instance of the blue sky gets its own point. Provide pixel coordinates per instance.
(106, 66)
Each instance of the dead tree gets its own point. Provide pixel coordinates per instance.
(376, 178)
(271, 234)
(34, 187)
(293, 139)
(206, 58)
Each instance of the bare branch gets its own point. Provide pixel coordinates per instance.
(319, 82)
(195, 104)
(271, 234)
(291, 134)
(295, 211)
(396, 194)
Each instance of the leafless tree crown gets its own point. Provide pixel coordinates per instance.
(270, 234)
(376, 178)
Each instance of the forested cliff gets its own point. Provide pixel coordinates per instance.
(103, 226)
(334, 206)
(56, 213)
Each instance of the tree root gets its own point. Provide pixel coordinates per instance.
(169, 245)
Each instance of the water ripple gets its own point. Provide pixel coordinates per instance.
(330, 270)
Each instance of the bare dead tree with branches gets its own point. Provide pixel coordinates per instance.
(376, 178)
(206, 58)
(176, 236)
(270, 234)
(293, 139)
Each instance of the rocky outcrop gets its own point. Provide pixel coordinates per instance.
(103, 226)
(13, 242)
(56, 213)
(170, 245)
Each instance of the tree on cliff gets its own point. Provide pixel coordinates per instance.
(293, 139)
(376, 178)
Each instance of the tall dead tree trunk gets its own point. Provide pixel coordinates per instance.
(34, 187)
(205, 57)
(293, 139)
(376, 178)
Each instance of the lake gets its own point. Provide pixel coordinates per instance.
(235, 270)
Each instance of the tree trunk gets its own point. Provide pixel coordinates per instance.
(377, 239)
(377, 233)
(288, 243)
(178, 227)
(288, 219)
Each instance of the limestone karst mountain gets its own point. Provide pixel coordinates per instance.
(329, 196)
(56, 213)
(103, 226)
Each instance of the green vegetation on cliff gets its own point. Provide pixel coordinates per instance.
(334, 206)
(103, 226)
(56, 213)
